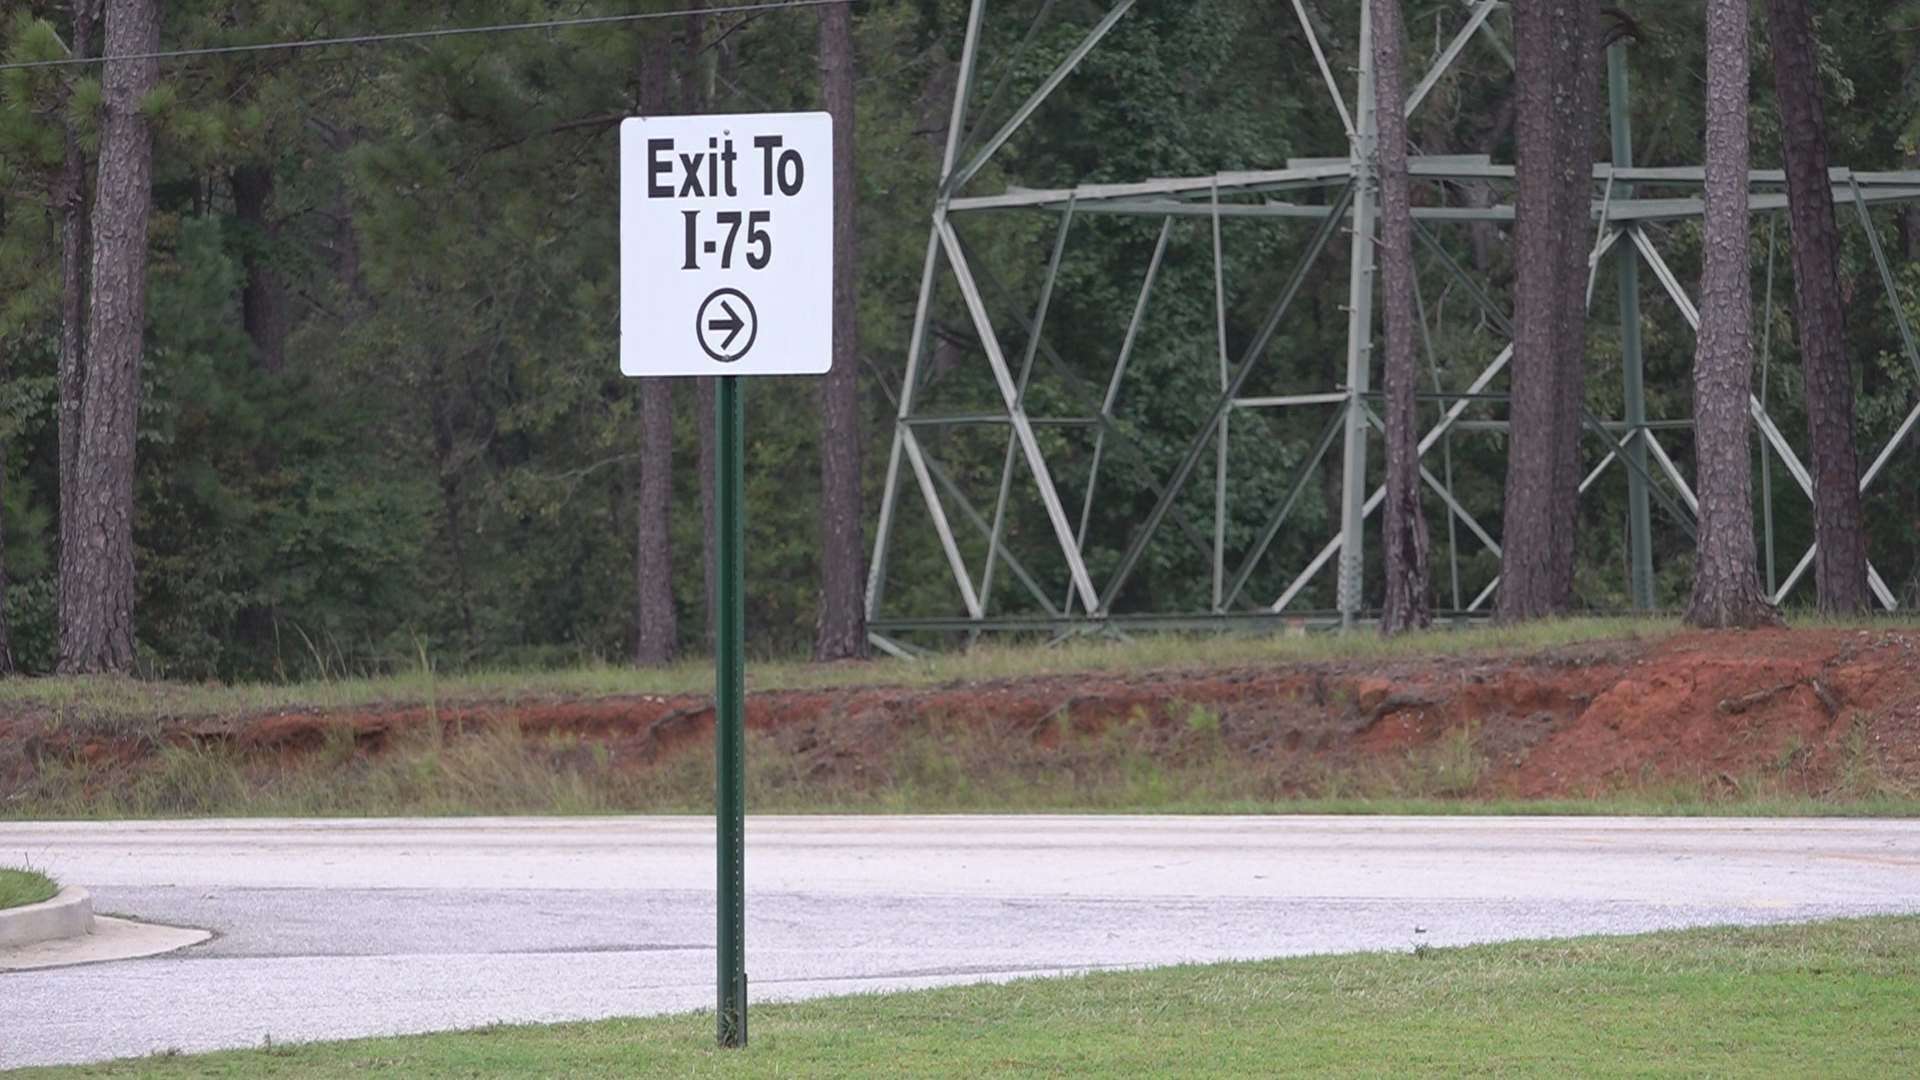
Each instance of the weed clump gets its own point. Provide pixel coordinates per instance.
(20, 886)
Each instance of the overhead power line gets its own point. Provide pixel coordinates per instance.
(418, 35)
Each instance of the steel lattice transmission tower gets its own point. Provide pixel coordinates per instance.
(1331, 195)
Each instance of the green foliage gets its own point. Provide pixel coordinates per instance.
(271, 540)
(446, 465)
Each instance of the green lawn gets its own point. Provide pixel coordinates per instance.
(19, 888)
(1832, 999)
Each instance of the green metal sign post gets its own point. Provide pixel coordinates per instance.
(730, 707)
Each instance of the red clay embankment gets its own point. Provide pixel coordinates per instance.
(1812, 709)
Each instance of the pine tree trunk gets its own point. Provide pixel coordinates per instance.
(263, 301)
(101, 637)
(1840, 564)
(658, 635)
(6, 621)
(708, 393)
(694, 100)
(1556, 83)
(692, 86)
(445, 437)
(1577, 41)
(658, 628)
(842, 630)
(72, 193)
(1528, 536)
(1726, 586)
(1405, 521)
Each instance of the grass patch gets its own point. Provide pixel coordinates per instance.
(115, 701)
(18, 888)
(1831, 999)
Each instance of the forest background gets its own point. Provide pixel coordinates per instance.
(421, 448)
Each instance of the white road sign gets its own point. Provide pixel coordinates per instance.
(726, 244)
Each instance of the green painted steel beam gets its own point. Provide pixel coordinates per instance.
(1309, 467)
(1632, 358)
(1128, 447)
(1059, 75)
(979, 522)
(1144, 534)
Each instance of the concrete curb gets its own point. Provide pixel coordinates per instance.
(110, 939)
(69, 914)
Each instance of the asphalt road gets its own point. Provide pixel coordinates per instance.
(331, 929)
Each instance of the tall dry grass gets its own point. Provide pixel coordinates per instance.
(1185, 759)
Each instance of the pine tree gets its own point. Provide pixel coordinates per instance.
(263, 302)
(842, 631)
(1726, 585)
(694, 94)
(101, 586)
(1840, 565)
(658, 635)
(6, 620)
(1556, 81)
(71, 194)
(1405, 523)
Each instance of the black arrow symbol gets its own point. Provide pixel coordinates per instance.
(731, 325)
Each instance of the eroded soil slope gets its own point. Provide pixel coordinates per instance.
(1815, 712)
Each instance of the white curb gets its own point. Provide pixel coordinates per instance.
(69, 914)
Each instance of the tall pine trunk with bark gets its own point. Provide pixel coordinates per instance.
(263, 300)
(1577, 37)
(1405, 522)
(1556, 81)
(1726, 584)
(707, 400)
(71, 187)
(657, 633)
(6, 620)
(842, 630)
(101, 635)
(694, 99)
(1840, 564)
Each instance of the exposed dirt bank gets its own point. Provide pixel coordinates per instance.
(1812, 712)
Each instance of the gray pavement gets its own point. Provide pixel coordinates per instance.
(330, 929)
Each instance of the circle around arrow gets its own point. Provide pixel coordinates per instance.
(728, 321)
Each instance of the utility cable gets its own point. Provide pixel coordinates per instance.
(417, 35)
